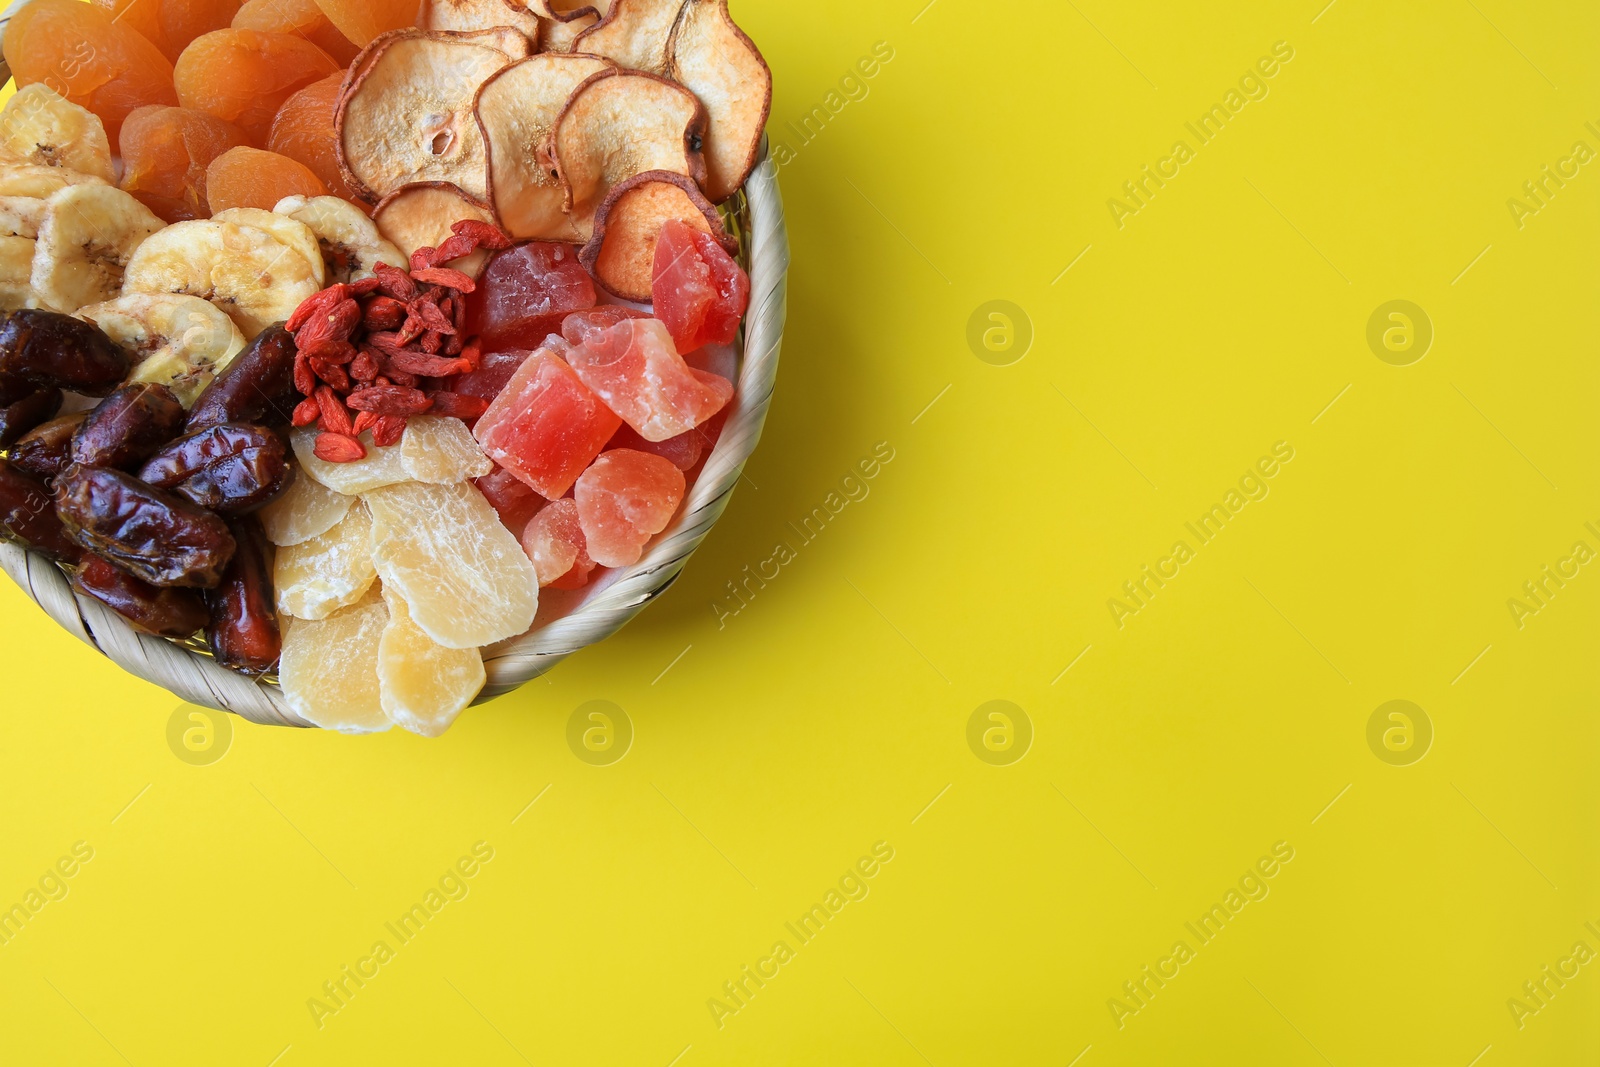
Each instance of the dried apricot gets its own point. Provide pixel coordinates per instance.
(303, 18)
(171, 24)
(249, 177)
(78, 51)
(165, 153)
(244, 76)
(303, 131)
(362, 20)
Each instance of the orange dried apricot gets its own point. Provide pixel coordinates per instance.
(303, 18)
(303, 131)
(249, 177)
(362, 20)
(244, 76)
(96, 63)
(165, 153)
(170, 24)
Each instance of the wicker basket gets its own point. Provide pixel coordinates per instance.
(195, 677)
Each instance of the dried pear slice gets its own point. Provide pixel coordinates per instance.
(329, 572)
(463, 574)
(408, 115)
(16, 273)
(442, 451)
(724, 68)
(422, 685)
(421, 214)
(329, 669)
(619, 123)
(40, 126)
(255, 278)
(178, 341)
(468, 15)
(380, 467)
(558, 35)
(637, 34)
(622, 253)
(516, 109)
(87, 240)
(285, 230)
(305, 510)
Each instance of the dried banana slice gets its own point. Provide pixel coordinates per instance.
(31, 179)
(181, 342)
(87, 239)
(16, 270)
(21, 216)
(285, 230)
(350, 242)
(38, 125)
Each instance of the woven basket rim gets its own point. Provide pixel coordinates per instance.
(198, 679)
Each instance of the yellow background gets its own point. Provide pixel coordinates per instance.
(826, 716)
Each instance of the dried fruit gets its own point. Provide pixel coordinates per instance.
(157, 536)
(181, 342)
(302, 18)
(88, 236)
(82, 54)
(441, 451)
(233, 468)
(381, 466)
(623, 500)
(554, 541)
(420, 215)
(464, 576)
(350, 242)
(329, 669)
(172, 613)
(285, 230)
(561, 23)
(362, 20)
(489, 380)
(682, 451)
(171, 24)
(623, 253)
(54, 349)
(16, 273)
(128, 427)
(40, 126)
(257, 385)
(469, 15)
(28, 516)
(635, 370)
(699, 292)
(244, 76)
(546, 426)
(422, 685)
(249, 177)
(24, 405)
(617, 124)
(306, 509)
(525, 295)
(243, 270)
(303, 131)
(165, 153)
(408, 116)
(333, 570)
(242, 629)
(516, 110)
(335, 447)
(512, 499)
(38, 182)
(46, 450)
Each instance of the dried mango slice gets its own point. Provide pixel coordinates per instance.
(441, 451)
(306, 509)
(443, 549)
(329, 669)
(423, 685)
(318, 577)
(381, 467)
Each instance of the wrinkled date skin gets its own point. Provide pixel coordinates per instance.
(128, 427)
(24, 405)
(243, 629)
(58, 350)
(162, 612)
(258, 386)
(232, 468)
(152, 534)
(28, 515)
(45, 451)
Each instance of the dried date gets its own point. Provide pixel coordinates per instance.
(162, 612)
(28, 515)
(232, 468)
(150, 533)
(58, 350)
(46, 450)
(24, 405)
(257, 387)
(128, 427)
(243, 628)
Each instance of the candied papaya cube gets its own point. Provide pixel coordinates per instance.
(525, 293)
(554, 541)
(697, 289)
(682, 451)
(245, 76)
(165, 153)
(623, 500)
(546, 426)
(635, 369)
(512, 498)
(491, 377)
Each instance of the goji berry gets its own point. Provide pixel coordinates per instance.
(339, 448)
(383, 313)
(454, 248)
(365, 367)
(428, 366)
(389, 430)
(431, 316)
(331, 373)
(307, 412)
(445, 276)
(486, 234)
(421, 259)
(335, 416)
(390, 400)
(315, 304)
(365, 420)
(394, 282)
(331, 351)
(458, 405)
(305, 381)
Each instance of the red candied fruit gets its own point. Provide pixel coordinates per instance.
(511, 498)
(554, 541)
(697, 289)
(635, 371)
(489, 380)
(623, 500)
(524, 294)
(546, 426)
(682, 451)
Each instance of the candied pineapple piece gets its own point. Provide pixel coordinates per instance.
(423, 685)
(318, 577)
(462, 573)
(329, 669)
(441, 451)
(306, 509)
(381, 467)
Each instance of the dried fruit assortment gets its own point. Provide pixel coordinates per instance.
(332, 331)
